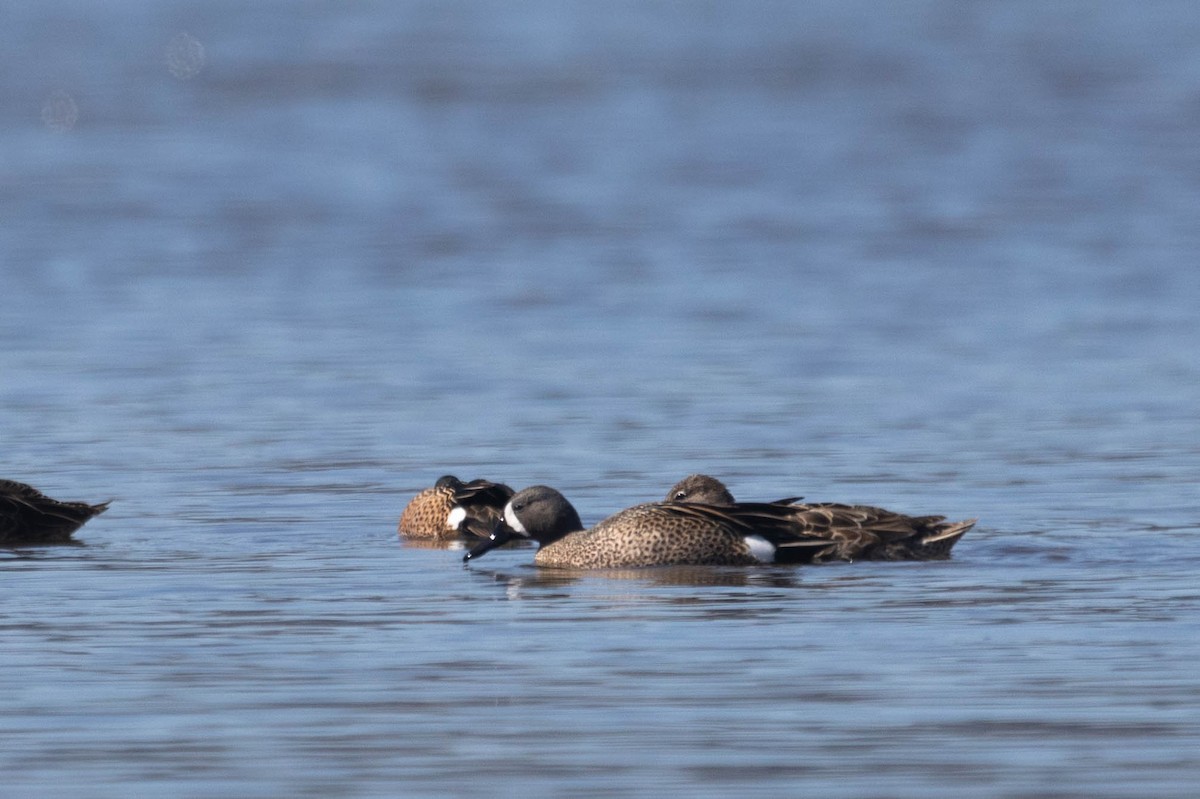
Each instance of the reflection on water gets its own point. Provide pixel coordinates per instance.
(266, 277)
(457, 545)
(528, 582)
(452, 544)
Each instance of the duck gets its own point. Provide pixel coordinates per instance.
(700, 488)
(452, 508)
(856, 532)
(27, 516)
(652, 534)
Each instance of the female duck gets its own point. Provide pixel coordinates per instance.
(856, 532)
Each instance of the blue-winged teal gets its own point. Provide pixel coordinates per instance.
(857, 532)
(27, 516)
(452, 508)
(700, 488)
(653, 534)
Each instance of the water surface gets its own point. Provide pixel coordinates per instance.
(939, 259)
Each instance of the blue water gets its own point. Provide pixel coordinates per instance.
(269, 269)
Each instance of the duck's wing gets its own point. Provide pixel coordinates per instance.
(483, 492)
(877, 533)
(482, 507)
(773, 521)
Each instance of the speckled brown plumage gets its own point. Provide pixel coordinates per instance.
(856, 532)
(427, 514)
(861, 532)
(719, 532)
(652, 534)
(27, 516)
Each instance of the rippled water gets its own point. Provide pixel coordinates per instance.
(270, 269)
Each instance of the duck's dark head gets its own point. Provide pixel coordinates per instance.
(539, 513)
(448, 481)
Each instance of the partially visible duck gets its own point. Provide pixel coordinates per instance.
(452, 508)
(856, 532)
(700, 488)
(27, 516)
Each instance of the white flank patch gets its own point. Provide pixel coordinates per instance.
(512, 521)
(762, 549)
(455, 517)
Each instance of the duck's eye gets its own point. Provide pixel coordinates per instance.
(680, 495)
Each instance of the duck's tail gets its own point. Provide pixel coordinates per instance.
(939, 542)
